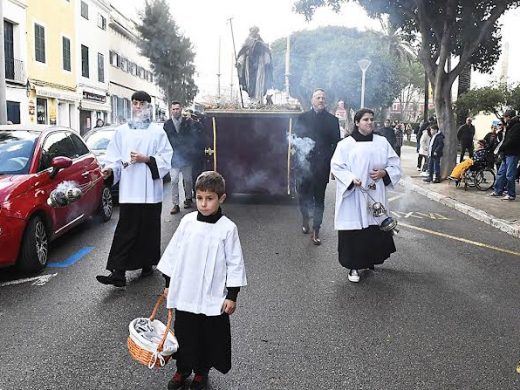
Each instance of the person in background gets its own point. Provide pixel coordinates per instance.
(389, 133)
(435, 153)
(313, 173)
(465, 135)
(510, 148)
(179, 130)
(399, 138)
(99, 123)
(424, 152)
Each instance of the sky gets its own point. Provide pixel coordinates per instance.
(205, 22)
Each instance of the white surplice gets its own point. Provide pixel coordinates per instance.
(202, 260)
(354, 159)
(135, 181)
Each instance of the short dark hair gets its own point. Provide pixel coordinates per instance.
(435, 126)
(175, 102)
(141, 96)
(211, 181)
(510, 113)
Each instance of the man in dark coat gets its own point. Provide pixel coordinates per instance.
(435, 154)
(180, 133)
(510, 149)
(321, 129)
(465, 135)
(389, 133)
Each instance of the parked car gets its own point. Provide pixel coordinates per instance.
(34, 160)
(97, 141)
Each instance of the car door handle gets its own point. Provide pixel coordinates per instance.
(85, 174)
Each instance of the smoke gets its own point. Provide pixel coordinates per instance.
(301, 147)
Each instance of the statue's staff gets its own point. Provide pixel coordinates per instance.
(230, 20)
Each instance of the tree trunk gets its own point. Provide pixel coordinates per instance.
(464, 86)
(446, 121)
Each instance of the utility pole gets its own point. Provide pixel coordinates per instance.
(3, 87)
(218, 71)
(235, 61)
(287, 67)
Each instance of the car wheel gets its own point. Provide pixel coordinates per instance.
(106, 206)
(34, 252)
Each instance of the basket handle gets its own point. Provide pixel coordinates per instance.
(168, 324)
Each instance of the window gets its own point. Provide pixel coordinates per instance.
(9, 50)
(56, 144)
(41, 111)
(81, 148)
(84, 10)
(39, 43)
(84, 61)
(114, 58)
(123, 64)
(101, 67)
(66, 54)
(102, 22)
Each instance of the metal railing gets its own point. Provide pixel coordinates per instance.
(14, 70)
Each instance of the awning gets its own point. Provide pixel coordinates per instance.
(93, 106)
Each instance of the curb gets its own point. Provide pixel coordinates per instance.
(480, 215)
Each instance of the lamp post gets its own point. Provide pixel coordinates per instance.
(363, 65)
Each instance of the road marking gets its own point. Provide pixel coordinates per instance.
(395, 197)
(37, 280)
(476, 243)
(72, 259)
(418, 215)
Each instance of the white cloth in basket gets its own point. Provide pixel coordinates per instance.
(148, 335)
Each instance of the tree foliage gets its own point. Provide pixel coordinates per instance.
(490, 100)
(327, 58)
(171, 54)
(442, 29)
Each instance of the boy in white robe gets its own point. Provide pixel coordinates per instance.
(138, 157)
(204, 270)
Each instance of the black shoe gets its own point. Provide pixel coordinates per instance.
(175, 210)
(428, 180)
(199, 382)
(437, 180)
(146, 271)
(112, 279)
(316, 237)
(177, 381)
(188, 204)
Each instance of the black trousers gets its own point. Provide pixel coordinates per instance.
(311, 195)
(466, 146)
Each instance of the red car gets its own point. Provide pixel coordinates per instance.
(34, 160)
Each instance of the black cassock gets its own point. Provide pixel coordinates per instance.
(137, 239)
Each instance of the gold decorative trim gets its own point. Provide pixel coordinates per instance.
(214, 144)
(289, 138)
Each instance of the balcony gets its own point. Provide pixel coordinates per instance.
(14, 70)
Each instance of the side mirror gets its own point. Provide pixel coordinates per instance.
(58, 163)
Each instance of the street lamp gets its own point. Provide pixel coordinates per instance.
(363, 65)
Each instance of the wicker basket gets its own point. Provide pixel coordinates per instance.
(149, 352)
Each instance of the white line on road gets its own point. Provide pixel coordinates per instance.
(37, 280)
(395, 197)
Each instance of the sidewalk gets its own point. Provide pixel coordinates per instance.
(504, 215)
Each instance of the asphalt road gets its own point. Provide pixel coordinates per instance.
(440, 314)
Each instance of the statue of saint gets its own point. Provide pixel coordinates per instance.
(254, 65)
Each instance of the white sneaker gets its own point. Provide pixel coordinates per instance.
(353, 276)
(425, 173)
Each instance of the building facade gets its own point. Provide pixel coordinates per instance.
(128, 70)
(51, 69)
(91, 53)
(15, 51)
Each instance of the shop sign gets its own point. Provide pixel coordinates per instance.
(94, 96)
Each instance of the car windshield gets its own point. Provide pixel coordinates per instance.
(16, 151)
(98, 141)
